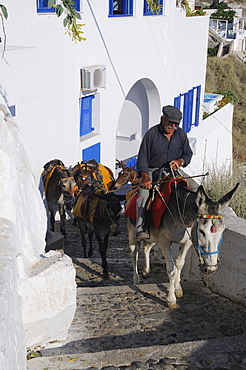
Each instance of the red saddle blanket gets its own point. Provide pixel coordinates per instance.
(158, 206)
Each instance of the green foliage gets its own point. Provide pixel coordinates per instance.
(154, 6)
(223, 12)
(73, 29)
(229, 96)
(212, 52)
(222, 180)
(4, 11)
(191, 13)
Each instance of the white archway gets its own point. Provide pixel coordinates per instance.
(141, 110)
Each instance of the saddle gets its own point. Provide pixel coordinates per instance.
(86, 204)
(48, 170)
(157, 206)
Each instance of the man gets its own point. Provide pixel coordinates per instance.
(163, 145)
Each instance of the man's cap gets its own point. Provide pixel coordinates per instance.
(172, 113)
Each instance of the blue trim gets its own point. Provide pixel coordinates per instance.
(92, 152)
(147, 10)
(86, 115)
(191, 107)
(198, 99)
(12, 110)
(42, 6)
(120, 8)
(177, 101)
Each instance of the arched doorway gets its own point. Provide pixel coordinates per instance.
(141, 110)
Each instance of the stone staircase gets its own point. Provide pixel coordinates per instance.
(118, 325)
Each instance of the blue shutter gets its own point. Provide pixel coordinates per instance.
(77, 5)
(198, 98)
(177, 101)
(92, 152)
(86, 115)
(187, 110)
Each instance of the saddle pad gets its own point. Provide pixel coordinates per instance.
(131, 207)
(86, 205)
(105, 174)
(78, 210)
(158, 206)
(47, 176)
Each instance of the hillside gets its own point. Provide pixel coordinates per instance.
(230, 74)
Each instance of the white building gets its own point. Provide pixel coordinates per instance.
(144, 62)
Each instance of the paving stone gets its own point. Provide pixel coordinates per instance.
(121, 326)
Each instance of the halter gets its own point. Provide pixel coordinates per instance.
(198, 247)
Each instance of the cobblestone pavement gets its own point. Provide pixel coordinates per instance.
(121, 326)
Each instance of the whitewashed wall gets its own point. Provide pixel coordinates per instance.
(230, 278)
(36, 307)
(42, 77)
(213, 142)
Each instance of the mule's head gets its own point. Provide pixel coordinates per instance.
(128, 174)
(208, 229)
(67, 185)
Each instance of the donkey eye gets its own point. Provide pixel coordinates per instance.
(202, 232)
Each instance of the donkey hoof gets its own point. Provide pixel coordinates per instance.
(171, 305)
(179, 293)
(144, 274)
(105, 276)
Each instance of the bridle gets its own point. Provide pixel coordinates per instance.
(198, 247)
(127, 178)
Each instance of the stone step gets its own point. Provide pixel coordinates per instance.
(54, 241)
(207, 352)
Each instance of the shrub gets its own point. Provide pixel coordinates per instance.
(221, 180)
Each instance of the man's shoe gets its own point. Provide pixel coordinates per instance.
(142, 235)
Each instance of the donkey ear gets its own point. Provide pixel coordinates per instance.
(201, 198)
(226, 198)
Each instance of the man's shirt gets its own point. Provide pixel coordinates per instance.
(156, 151)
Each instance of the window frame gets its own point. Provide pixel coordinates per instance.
(147, 11)
(44, 9)
(125, 5)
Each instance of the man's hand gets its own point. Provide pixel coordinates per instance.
(176, 163)
(146, 183)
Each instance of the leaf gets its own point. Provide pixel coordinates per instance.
(4, 11)
(59, 10)
(77, 15)
(65, 20)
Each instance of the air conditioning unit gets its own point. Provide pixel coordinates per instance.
(93, 77)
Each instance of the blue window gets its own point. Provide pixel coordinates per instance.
(120, 7)
(92, 152)
(190, 107)
(147, 10)
(42, 6)
(86, 115)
